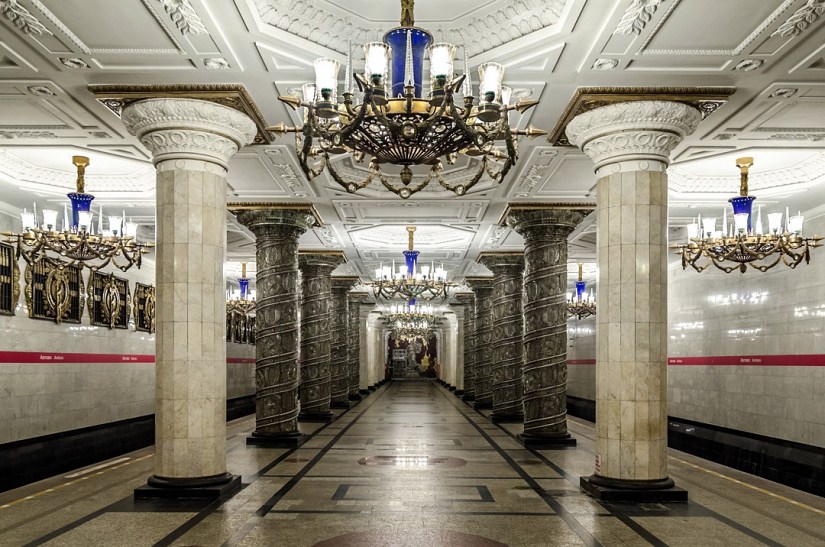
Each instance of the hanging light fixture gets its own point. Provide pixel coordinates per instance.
(404, 317)
(580, 304)
(745, 243)
(409, 281)
(243, 301)
(78, 244)
(395, 124)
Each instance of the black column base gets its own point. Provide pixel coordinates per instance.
(354, 397)
(208, 488)
(293, 439)
(452, 388)
(506, 418)
(562, 440)
(483, 405)
(316, 417)
(458, 392)
(633, 491)
(468, 397)
(364, 392)
(340, 404)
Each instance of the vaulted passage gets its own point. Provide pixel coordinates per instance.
(409, 465)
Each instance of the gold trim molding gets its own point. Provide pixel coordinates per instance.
(116, 97)
(544, 206)
(704, 99)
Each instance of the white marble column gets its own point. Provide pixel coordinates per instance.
(630, 143)
(191, 142)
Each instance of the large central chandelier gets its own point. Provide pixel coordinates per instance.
(412, 319)
(745, 243)
(78, 244)
(580, 304)
(396, 124)
(409, 281)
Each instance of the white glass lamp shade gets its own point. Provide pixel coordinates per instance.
(326, 77)
(28, 220)
(425, 271)
(84, 220)
(693, 230)
(490, 75)
(308, 91)
(376, 60)
(775, 223)
(115, 224)
(131, 229)
(441, 60)
(794, 224)
(506, 94)
(49, 219)
(740, 222)
(708, 225)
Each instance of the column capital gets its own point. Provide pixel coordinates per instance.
(638, 131)
(188, 129)
(479, 283)
(465, 298)
(357, 297)
(503, 262)
(276, 222)
(553, 223)
(344, 284)
(321, 261)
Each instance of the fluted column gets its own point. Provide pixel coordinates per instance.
(191, 142)
(508, 328)
(277, 228)
(354, 343)
(545, 232)
(630, 144)
(467, 301)
(339, 347)
(483, 354)
(316, 290)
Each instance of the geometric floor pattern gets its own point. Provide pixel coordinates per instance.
(409, 465)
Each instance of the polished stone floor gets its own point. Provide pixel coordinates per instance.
(409, 465)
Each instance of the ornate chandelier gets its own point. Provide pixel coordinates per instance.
(746, 244)
(77, 244)
(242, 302)
(396, 124)
(410, 282)
(579, 304)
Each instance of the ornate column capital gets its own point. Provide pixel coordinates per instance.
(544, 223)
(320, 263)
(637, 131)
(344, 284)
(503, 263)
(479, 284)
(188, 129)
(276, 222)
(465, 298)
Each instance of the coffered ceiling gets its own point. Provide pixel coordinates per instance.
(770, 51)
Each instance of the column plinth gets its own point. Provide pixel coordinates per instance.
(316, 288)
(545, 233)
(339, 348)
(277, 330)
(483, 341)
(508, 345)
(630, 145)
(191, 142)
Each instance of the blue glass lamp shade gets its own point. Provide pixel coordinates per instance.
(80, 202)
(580, 290)
(397, 40)
(244, 283)
(743, 204)
(411, 258)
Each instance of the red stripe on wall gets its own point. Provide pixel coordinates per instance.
(581, 361)
(752, 360)
(51, 357)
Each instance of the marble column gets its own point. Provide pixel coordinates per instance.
(277, 228)
(508, 329)
(467, 300)
(316, 290)
(545, 232)
(191, 142)
(630, 143)
(483, 340)
(354, 343)
(338, 325)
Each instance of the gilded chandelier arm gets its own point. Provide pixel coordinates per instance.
(350, 187)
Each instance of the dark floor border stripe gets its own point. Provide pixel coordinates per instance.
(574, 525)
